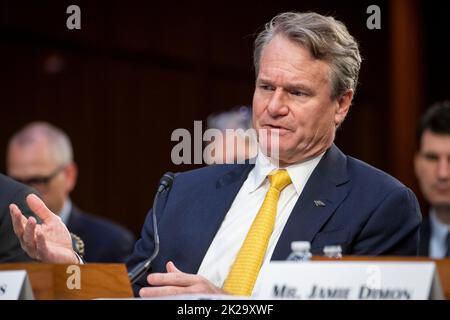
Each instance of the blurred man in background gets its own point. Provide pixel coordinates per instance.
(239, 144)
(432, 166)
(40, 155)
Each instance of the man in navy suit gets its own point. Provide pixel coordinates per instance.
(432, 166)
(307, 68)
(40, 155)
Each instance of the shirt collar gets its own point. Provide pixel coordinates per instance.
(440, 229)
(65, 211)
(298, 172)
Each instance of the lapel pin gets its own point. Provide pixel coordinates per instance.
(319, 203)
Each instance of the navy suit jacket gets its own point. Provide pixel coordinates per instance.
(104, 241)
(366, 211)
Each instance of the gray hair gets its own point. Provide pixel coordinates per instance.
(325, 37)
(59, 142)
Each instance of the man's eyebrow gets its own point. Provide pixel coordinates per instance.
(262, 80)
(429, 153)
(292, 86)
(298, 87)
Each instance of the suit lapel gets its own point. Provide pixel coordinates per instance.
(214, 209)
(328, 183)
(74, 222)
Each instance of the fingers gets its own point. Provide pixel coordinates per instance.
(29, 237)
(176, 282)
(173, 277)
(170, 266)
(25, 229)
(178, 279)
(18, 220)
(41, 245)
(162, 291)
(38, 207)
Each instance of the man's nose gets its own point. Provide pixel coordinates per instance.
(444, 168)
(277, 104)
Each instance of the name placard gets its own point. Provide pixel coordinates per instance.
(347, 280)
(14, 285)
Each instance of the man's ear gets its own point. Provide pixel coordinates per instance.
(71, 173)
(343, 105)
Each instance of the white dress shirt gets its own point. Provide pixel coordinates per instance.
(438, 237)
(226, 244)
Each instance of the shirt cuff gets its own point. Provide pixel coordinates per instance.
(80, 260)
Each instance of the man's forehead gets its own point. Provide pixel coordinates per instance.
(37, 152)
(294, 79)
(287, 60)
(432, 141)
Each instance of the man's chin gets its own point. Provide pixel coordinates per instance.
(273, 150)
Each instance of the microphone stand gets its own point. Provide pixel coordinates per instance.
(137, 272)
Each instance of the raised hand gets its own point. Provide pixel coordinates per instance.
(47, 242)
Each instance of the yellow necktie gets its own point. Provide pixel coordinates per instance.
(244, 271)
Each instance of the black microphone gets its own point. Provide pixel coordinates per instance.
(164, 184)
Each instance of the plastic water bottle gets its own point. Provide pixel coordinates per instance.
(300, 251)
(334, 252)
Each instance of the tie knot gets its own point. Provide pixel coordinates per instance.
(280, 179)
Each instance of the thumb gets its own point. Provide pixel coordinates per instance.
(170, 266)
(38, 207)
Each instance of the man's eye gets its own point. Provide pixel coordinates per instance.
(267, 87)
(431, 157)
(298, 93)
